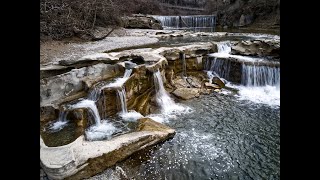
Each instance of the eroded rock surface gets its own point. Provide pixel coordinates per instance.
(82, 159)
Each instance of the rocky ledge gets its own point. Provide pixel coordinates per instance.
(82, 159)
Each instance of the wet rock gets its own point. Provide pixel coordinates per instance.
(48, 113)
(82, 159)
(79, 117)
(138, 88)
(218, 81)
(186, 93)
(159, 65)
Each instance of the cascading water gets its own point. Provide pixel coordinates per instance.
(260, 75)
(122, 97)
(162, 97)
(127, 73)
(224, 47)
(259, 83)
(121, 94)
(91, 105)
(220, 67)
(60, 123)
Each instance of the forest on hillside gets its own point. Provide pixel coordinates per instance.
(66, 18)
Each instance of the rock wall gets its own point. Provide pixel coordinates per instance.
(252, 13)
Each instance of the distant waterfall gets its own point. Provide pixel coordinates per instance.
(195, 23)
(260, 75)
(168, 21)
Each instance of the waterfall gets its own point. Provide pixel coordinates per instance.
(168, 21)
(218, 66)
(260, 78)
(260, 75)
(122, 98)
(91, 106)
(224, 47)
(195, 23)
(60, 123)
(162, 97)
(94, 94)
(127, 73)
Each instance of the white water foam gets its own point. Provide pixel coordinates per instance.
(100, 132)
(158, 118)
(91, 105)
(269, 95)
(58, 125)
(224, 50)
(131, 116)
(168, 106)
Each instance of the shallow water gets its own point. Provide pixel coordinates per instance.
(223, 138)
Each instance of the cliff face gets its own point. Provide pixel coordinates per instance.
(249, 13)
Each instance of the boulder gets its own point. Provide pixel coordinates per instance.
(261, 47)
(213, 86)
(82, 159)
(218, 81)
(141, 22)
(186, 93)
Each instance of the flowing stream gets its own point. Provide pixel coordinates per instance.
(224, 138)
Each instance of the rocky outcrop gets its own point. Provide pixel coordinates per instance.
(257, 47)
(82, 159)
(141, 22)
(72, 85)
(89, 60)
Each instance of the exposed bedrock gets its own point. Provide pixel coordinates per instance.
(257, 48)
(82, 159)
(75, 83)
